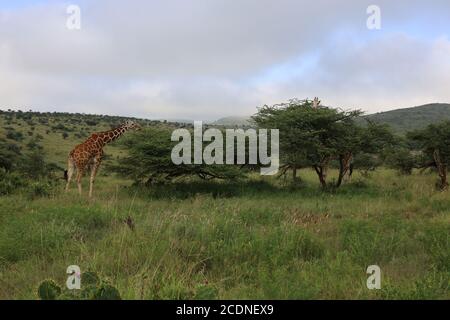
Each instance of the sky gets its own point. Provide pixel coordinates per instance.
(207, 59)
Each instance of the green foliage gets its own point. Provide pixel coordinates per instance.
(92, 288)
(90, 278)
(14, 135)
(10, 154)
(149, 160)
(434, 143)
(402, 160)
(39, 189)
(366, 163)
(106, 292)
(432, 138)
(29, 169)
(315, 136)
(10, 182)
(60, 127)
(48, 290)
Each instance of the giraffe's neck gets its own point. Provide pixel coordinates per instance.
(111, 135)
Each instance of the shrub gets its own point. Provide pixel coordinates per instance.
(48, 290)
(106, 292)
(14, 135)
(402, 160)
(92, 289)
(10, 182)
(39, 189)
(149, 160)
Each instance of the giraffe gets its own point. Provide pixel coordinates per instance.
(90, 153)
(316, 103)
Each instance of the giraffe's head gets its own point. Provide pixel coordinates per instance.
(131, 125)
(316, 103)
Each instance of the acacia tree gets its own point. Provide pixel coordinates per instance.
(295, 138)
(434, 143)
(372, 144)
(350, 140)
(310, 136)
(348, 144)
(149, 160)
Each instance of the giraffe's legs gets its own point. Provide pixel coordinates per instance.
(79, 176)
(95, 166)
(70, 170)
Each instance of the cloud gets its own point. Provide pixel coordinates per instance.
(204, 59)
(391, 72)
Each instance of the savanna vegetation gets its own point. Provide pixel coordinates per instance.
(347, 196)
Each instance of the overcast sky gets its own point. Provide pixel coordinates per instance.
(206, 59)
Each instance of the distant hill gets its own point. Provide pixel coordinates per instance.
(402, 120)
(232, 121)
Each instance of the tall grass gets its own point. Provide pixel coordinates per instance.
(261, 238)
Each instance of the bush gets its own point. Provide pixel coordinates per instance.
(39, 189)
(150, 160)
(14, 135)
(92, 289)
(402, 160)
(48, 290)
(10, 182)
(10, 155)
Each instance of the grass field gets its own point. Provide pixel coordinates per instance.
(260, 238)
(254, 239)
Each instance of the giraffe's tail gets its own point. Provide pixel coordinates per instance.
(70, 167)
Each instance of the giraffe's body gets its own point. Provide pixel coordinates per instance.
(89, 154)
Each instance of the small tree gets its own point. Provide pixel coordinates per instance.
(311, 136)
(376, 141)
(149, 160)
(434, 143)
(10, 154)
(402, 160)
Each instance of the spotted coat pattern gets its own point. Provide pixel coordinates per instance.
(88, 155)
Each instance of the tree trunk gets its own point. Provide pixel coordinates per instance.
(322, 171)
(294, 174)
(344, 167)
(442, 170)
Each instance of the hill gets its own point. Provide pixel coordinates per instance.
(232, 121)
(402, 120)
